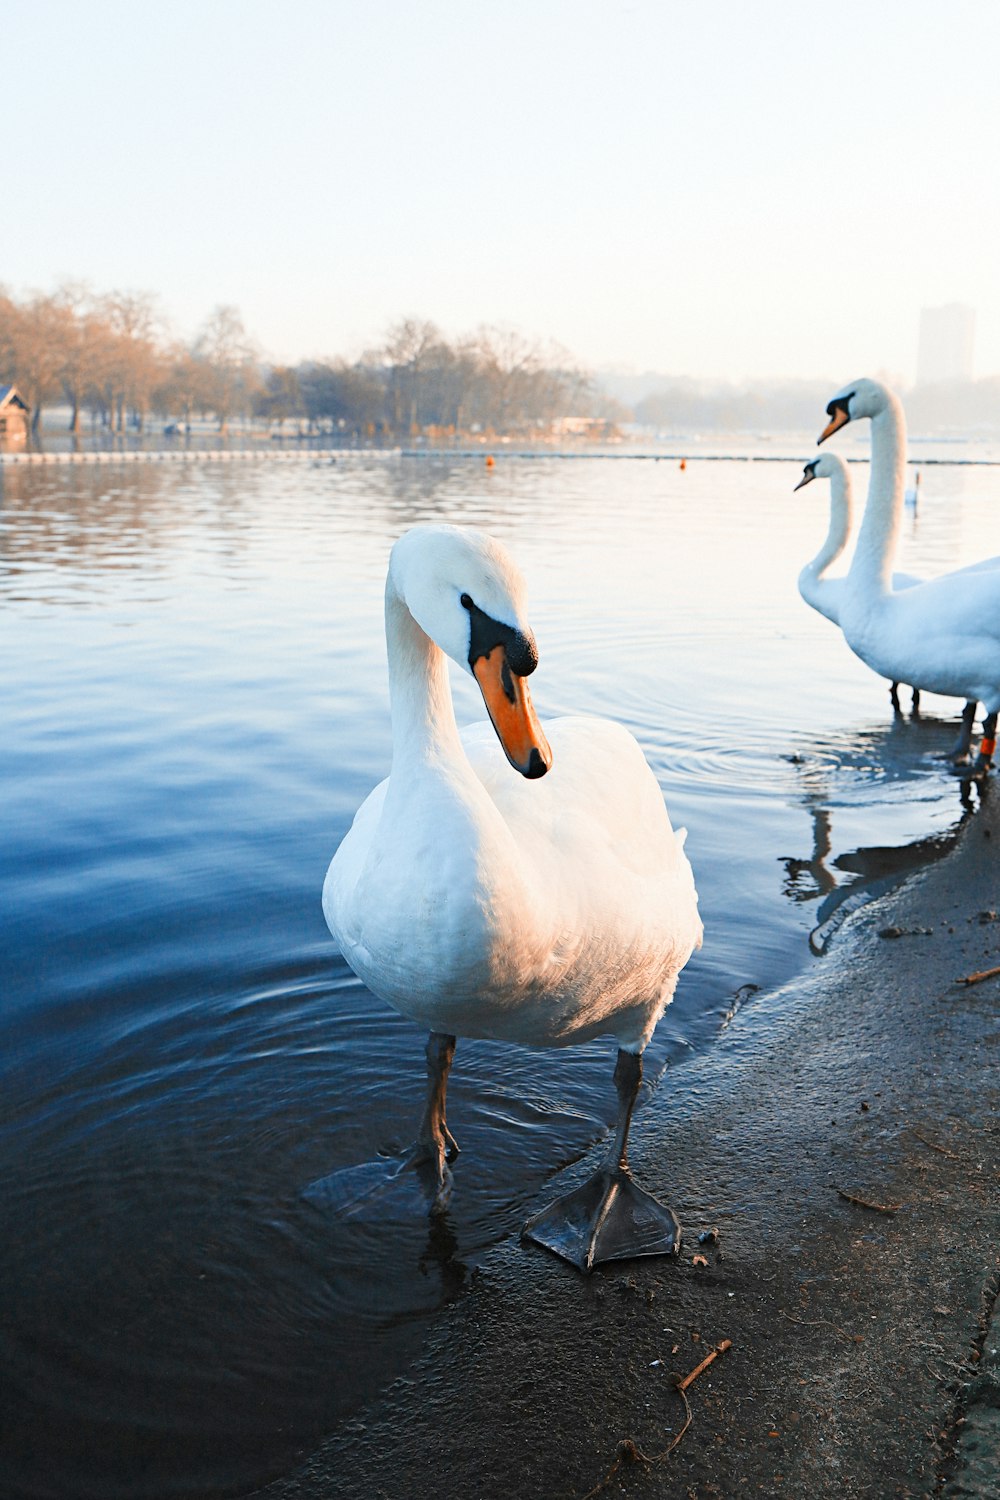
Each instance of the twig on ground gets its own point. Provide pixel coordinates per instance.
(630, 1453)
(943, 1150)
(682, 1385)
(979, 976)
(879, 1208)
(852, 1338)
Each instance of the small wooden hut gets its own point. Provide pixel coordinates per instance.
(14, 418)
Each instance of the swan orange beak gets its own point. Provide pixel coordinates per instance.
(839, 418)
(509, 706)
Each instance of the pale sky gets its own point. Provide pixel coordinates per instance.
(748, 188)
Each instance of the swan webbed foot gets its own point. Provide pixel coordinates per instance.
(608, 1218)
(420, 1176)
(388, 1188)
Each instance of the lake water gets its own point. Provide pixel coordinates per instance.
(194, 703)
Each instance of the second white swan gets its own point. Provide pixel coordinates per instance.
(824, 594)
(942, 634)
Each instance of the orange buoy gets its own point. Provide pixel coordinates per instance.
(490, 460)
(684, 463)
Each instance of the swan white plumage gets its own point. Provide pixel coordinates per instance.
(543, 908)
(822, 593)
(942, 634)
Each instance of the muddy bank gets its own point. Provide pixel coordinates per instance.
(859, 1362)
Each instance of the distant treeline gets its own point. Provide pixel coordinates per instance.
(108, 356)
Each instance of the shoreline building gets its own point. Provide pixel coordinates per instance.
(14, 417)
(947, 338)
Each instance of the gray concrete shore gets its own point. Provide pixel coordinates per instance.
(848, 1153)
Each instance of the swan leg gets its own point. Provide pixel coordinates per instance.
(894, 697)
(959, 752)
(987, 745)
(435, 1144)
(412, 1182)
(915, 704)
(609, 1217)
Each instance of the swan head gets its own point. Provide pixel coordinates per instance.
(825, 467)
(464, 590)
(862, 398)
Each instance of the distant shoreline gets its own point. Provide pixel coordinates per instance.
(332, 455)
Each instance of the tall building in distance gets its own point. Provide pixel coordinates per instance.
(947, 337)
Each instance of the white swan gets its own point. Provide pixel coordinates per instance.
(823, 594)
(942, 634)
(484, 904)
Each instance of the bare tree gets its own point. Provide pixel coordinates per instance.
(133, 365)
(280, 395)
(350, 396)
(9, 328)
(227, 349)
(33, 339)
(186, 384)
(86, 347)
(511, 378)
(406, 355)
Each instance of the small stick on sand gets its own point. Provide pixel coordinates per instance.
(982, 974)
(682, 1385)
(878, 1208)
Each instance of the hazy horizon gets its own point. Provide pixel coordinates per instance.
(728, 194)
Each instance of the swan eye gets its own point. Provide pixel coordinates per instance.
(841, 403)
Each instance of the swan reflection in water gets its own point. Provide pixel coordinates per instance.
(842, 882)
(441, 1253)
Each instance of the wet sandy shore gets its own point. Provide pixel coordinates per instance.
(863, 1334)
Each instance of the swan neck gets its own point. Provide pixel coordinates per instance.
(879, 534)
(423, 714)
(839, 528)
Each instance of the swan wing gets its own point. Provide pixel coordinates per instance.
(614, 901)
